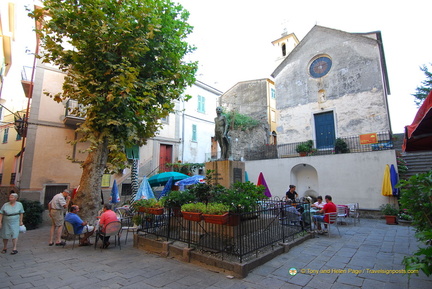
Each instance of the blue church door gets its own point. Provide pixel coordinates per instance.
(324, 130)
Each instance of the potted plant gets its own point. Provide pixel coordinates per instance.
(390, 213)
(151, 206)
(304, 148)
(242, 200)
(193, 211)
(215, 213)
(405, 217)
(176, 199)
(341, 146)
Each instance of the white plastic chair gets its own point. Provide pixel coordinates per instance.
(332, 221)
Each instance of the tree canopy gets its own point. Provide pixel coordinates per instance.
(426, 86)
(124, 64)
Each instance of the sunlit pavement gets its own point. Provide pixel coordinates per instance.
(368, 255)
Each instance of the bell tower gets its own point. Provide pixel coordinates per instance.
(284, 45)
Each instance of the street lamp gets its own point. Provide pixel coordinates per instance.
(20, 123)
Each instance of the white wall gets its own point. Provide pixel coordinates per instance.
(348, 178)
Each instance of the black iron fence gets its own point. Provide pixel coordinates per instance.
(242, 236)
(384, 142)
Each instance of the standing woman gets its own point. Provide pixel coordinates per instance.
(11, 218)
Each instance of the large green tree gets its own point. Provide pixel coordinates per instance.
(124, 63)
(426, 86)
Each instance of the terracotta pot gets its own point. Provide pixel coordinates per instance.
(390, 220)
(216, 219)
(142, 210)
(303, 154)
(192, 216)
(155, 211)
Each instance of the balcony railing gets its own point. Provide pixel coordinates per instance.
(384, 139)
(72, 106)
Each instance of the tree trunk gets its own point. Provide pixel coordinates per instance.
(88, 196)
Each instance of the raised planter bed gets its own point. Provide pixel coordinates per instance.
(192, 216)
(215, 219)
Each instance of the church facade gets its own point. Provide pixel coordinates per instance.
(333, 84)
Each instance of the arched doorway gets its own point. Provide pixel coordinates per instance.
(305, 178)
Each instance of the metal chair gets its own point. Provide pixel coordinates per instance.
(332, 221)
(354, 212)
(343, 212)
(70, 232)
(126, 219)
(111, 229)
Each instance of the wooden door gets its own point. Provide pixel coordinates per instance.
(165, 156)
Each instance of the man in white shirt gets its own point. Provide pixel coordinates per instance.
(56, 212)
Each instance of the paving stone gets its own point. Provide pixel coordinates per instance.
(371, 244)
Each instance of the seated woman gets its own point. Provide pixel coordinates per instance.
(319, 204)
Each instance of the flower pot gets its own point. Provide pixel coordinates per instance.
(142, 210)
(233, 220)
(192, 216)
(155, 211)
(216, 219)
(390, 220)
(303, 154)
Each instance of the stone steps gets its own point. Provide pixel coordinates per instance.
(417, 162)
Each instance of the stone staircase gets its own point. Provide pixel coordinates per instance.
(417, 162)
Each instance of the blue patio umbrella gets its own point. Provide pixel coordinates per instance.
(190, 181)
(394, 180)
(167, 188)
(114, 198)
(144, 191)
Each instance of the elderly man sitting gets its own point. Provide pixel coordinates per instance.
(80, 227)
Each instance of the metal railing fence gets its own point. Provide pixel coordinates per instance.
(242, 236)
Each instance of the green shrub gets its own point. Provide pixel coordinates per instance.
(305, 147)
(193, 207)
(242, 197)
(216, 209)
(33, 213)
(341, 146)
(389, 210)
(177, 199)
(416, 199)
(147, 203)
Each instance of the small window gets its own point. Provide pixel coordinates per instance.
(164, 120)
(194, 132)
(6, 134)
(201, 104)
(273, 93)
(283, 49)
